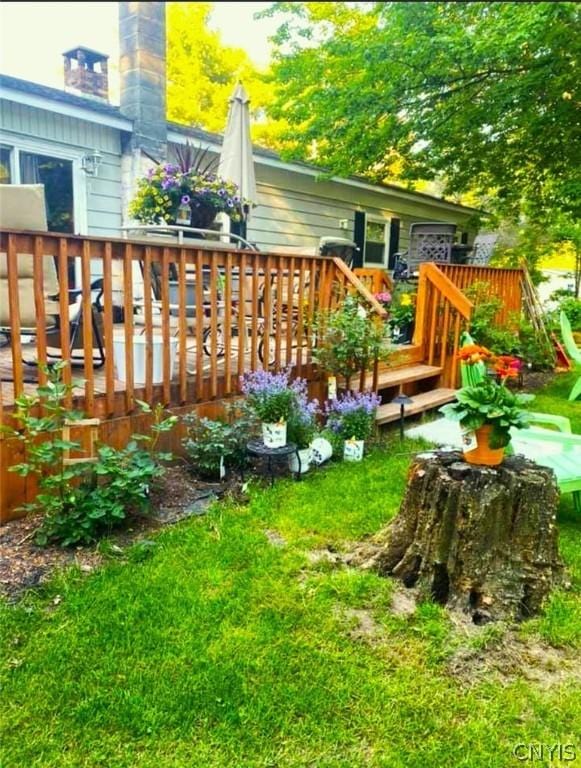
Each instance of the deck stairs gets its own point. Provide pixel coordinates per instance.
(416, 379)
(407, 374)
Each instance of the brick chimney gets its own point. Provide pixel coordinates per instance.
(142, 73)
(86, 73)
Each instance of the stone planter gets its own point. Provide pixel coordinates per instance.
(274, 434)
(353, 450)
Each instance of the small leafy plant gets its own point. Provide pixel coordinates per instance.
(349, 339)
(352, 416)
(210, 441)
(489, 402)
(80, 501)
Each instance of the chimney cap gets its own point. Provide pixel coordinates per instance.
(90, 53)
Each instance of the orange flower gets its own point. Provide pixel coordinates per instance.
(473, 353)
(506, 372)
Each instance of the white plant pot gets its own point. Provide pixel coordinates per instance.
(305, 457)
(140, 357)
(321, 450)
(274, 435)
(353, 450)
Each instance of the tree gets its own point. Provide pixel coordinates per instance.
(202, 73)
(479, 94)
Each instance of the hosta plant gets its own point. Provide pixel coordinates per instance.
(489, 403)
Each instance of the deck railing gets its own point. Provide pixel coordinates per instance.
(442, 313)
(213, 314)
(505, 284)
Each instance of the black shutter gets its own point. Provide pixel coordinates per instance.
(394, 226)
(359, 237)
(464, 238)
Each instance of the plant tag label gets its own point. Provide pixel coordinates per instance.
(469, 442)
(332, 384)
(222, 468)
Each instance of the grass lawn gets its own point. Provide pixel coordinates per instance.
(225, 643)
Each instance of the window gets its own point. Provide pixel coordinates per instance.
(57, 176)
(5, 175)
(375, 249)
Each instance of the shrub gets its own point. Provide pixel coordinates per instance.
(80, 501)
(209, 441)
(519, 337)
(349, 339)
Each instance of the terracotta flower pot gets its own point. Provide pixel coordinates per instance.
(483, 453)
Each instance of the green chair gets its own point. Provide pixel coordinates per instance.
(559, 451)
(573, 351)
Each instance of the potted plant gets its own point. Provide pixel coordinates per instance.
(302, 426)
(487, 410)
(349, 339)
(352, 417)
(401, 319)
(186, 192)
(271, 398)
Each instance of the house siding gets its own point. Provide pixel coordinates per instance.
(74, 137)
(295, 209)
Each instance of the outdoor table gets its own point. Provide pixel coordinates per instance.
(258, 448)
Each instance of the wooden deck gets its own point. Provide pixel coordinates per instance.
(226, 312)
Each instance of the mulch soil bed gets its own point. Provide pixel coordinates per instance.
(24, 565)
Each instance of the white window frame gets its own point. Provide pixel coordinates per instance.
(47, 149)
(386, 233)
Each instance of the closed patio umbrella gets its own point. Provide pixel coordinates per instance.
(236, 161)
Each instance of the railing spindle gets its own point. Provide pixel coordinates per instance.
(108, 330)
(148, 322)
(14, 304)
(165, 334)
(278, 282)
(199, 326)
(128, 323)
(40, 308)
(87, 316)
(227, 324)
(183, 328)
(300, 323)
(65, 326)
(242, 317)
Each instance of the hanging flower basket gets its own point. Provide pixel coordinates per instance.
(170, 195)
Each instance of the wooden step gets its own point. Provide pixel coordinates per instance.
(420, 403)
(399, 376)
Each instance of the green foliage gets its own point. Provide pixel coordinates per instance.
(209, 441)
(202, 73)
(81, 501)
(203, 650)
(301, 428)
(489, 403)
(518, 338)
(479, 94)
(349, 339)
(570, 306)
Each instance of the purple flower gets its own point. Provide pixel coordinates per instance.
(185, 199)
(352, 414)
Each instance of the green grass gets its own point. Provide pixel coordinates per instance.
(553, 399)
(214, 648)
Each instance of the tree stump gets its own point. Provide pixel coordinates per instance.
(479, 539)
